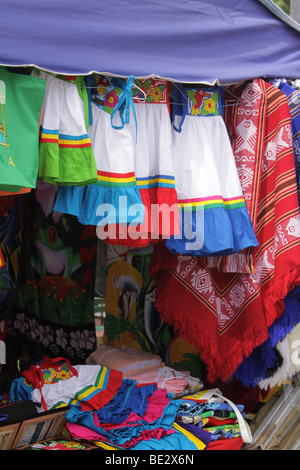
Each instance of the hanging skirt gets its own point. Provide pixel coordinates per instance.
(154, 169)
(66, 155)
(115, 198)
(213, 216)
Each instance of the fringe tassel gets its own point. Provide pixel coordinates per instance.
(236, 263)
(217, 364)
(276, 293)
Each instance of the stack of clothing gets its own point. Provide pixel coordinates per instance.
(145, 367)
(115, 412)
(203, 410)
(111, 411)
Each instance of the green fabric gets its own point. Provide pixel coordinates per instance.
(66, 166)
(20, 110)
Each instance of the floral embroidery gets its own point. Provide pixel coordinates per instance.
(210, 105)
(203, 103)
(156, 94)
(156, 91)
(55, 375)
(111, 101)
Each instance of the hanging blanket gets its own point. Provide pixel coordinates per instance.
(226, 315)
(293, 97)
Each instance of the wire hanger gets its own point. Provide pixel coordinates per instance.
(236, 99)
(142, 91)
(179, 103)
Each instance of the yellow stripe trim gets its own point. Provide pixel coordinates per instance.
(49, 136)
(99, 384)
(105, 446)
(155, 180)
(102, 377)
(211, 201)
(116, 180)
(86, 393)
(198, 443)
(74, 142)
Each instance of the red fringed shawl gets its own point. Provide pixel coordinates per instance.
(224, 306)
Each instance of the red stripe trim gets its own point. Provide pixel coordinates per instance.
(51, 141)
(116, 175)
(74, 146)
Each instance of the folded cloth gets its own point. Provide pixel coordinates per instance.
(161, 415)
(128, 360)
(201, 434)
(224, 432)
(130, 398)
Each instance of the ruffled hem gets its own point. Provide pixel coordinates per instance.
(69, 200)
(161, 220)
(66, 166)
(102, 205)
(213, 232)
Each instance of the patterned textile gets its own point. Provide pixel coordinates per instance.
(226, 315)
(192, 409)
(10, 241)
(54, 312)
(293, 97)
(224, 432)
(132, 320)
(89, 388)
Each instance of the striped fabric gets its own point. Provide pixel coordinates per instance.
(116, 179)
(64, 140)
(157, 181)
(96, 394)
(293, 97)
(211, 202)
(191, 437)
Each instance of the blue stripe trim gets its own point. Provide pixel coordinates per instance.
(156, 185)
(63, 136)
(73, 137)
(49, 131)
(146, 178)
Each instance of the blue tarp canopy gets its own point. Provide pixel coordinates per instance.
(195, 41)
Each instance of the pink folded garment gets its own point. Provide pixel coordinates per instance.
(165, 377)
(125, 359)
